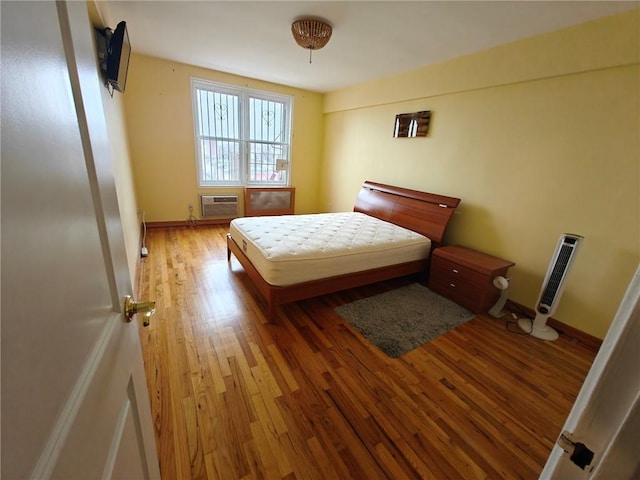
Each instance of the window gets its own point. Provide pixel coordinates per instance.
(242, 135)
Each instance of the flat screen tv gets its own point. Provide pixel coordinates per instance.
(118, 52)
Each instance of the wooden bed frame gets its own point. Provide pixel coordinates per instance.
(422, 212)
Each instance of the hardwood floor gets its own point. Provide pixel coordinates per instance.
(234, 397)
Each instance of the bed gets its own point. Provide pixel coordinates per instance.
(390, 233)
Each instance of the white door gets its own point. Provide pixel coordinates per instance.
(74, 398)
(606, 414)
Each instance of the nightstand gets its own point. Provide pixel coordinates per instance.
(466, 276)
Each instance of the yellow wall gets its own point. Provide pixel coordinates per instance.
(160, 126)
(123, 176)
(538, 138)
(100, 17)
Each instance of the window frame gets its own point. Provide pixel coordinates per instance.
(244, 95)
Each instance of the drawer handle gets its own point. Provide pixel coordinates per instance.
(455, 271)
(452, 285)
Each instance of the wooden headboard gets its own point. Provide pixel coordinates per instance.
(422, 212)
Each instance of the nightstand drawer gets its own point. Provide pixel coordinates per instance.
(466, 276)
(456, 287)
(445, 280)
(462, 293)
(455, 271)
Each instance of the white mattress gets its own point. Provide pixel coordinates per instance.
(291, 249)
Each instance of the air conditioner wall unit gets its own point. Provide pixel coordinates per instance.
(219, 206)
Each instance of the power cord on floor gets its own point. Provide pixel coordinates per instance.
(192, 221)
(512, 324)
(144, 251)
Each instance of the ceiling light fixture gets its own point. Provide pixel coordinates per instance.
(311, 33)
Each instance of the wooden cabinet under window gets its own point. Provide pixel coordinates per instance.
(466, 276)
(261, 201)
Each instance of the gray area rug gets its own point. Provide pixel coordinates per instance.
(400, 320)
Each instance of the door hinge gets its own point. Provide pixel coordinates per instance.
(579, 453)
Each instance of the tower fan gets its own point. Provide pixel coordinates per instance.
(552, 288)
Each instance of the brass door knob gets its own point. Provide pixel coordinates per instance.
(131, 308)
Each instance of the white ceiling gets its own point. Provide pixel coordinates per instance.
(371, 39)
